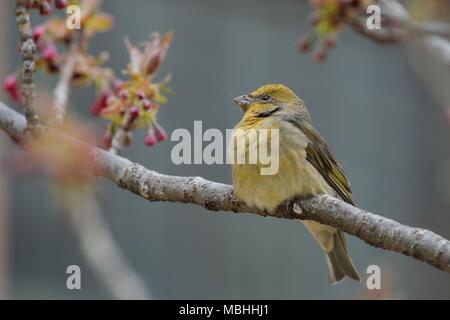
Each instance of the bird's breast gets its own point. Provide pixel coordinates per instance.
(295, 175)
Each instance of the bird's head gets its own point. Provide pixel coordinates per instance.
(272, 99)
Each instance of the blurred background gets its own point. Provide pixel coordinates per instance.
(388, 130)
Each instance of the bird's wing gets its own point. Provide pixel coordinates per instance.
(320, 156)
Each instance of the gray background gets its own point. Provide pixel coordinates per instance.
(384, 127)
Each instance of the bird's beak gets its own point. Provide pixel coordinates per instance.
(243, 101)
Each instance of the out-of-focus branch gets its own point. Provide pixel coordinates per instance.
(428, 48)
(101, 251)
(427, 43)
(27, 51)
(85, 215)
(62, 89)
(381, 36)
(375, 230)
(397, 24)
(436, 28)
(430, 57)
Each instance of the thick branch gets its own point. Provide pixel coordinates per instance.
(375, 230)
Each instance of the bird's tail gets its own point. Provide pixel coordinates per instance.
(334, 245)
(339, 262)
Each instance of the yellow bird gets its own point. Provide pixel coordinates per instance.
(306, 167)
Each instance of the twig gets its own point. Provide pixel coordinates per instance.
(375, 230)
(122, 133)
(383, 36)
(101, 251)
(398, 25)
(62, 89)
(27, 51)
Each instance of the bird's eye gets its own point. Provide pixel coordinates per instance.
(265, 97)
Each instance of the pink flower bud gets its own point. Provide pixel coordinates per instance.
(100, 103)
(35, 4)
(49, 53)
(14, 95)
(330, 43)
(124, 95)
(147, 104)
(150, 138)
(320, 56)
(45, 9)
(38, 32)
(161, 134)
(134, 112)
(140, 95)
(32, 4)
(10, 82)
(60, 4)
(304, 45)
(11, 87)
(116, 85)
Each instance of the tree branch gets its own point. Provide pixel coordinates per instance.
(397, 25)
(428, 43)
(62, 89)
(380, 36)
(375, 230)
(101, 250)
(121, 135)
(28, 50)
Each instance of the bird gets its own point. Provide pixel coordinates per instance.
(307, 167)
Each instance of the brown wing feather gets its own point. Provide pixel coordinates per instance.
(320, 156)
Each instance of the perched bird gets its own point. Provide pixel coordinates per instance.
(306, 167)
